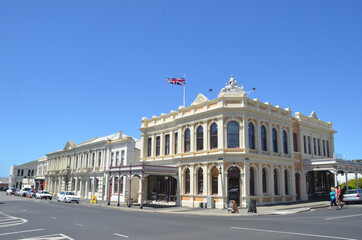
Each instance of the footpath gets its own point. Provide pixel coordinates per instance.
(278, 209)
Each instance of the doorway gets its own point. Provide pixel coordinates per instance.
(234, 185)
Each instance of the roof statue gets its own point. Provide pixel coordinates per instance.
(313, 115)
(232, 88)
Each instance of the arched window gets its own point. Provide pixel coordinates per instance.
(275, 140)
(213, 136)
(276, 177)
(187, 141)
(214, 180)
(265, 189)
(285, 142)
(263, 138)
(200, 139)
(251, 136)
(233, 135)
(286, 180)
(200, 181)
(252, 182)
(187, 181)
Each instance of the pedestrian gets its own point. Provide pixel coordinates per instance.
(332, 194)
(339, 196)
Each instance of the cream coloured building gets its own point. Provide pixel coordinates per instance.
(83, 167)
(233, 148)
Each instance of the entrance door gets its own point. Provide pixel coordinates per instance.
(234, 185)
(297, 185)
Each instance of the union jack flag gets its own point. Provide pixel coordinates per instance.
(176, 81)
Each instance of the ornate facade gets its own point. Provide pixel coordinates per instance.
(236, 148)
(83, 167)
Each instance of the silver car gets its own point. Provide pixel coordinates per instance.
(352, 195)
(68, 197)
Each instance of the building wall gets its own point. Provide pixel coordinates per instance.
(20, 172)
(286, 161)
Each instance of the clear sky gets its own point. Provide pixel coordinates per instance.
(73, 70)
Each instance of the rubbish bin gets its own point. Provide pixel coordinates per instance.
(252, 206)
(210, 202)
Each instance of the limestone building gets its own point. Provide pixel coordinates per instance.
(233, 148)
(83, 167)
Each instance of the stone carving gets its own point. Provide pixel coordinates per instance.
(313, 115)
(232, 87)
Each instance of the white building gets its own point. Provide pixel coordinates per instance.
(83, 167)
(23, 174)
(235, 148)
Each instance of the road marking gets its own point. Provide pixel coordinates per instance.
(120, 235)
(293, 233)
(53, 217)
(343, 216)
(32, 230)
(78, 224)
(58, 236)
(8, 220)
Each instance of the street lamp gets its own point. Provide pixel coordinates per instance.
(67, 178)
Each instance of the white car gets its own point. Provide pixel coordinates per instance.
(68, 197)
(352, 195)
(43, 195)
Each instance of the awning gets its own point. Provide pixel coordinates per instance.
(143, 170)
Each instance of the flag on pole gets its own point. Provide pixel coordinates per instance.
(176, 81)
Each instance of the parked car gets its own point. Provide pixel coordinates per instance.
(68, 197)
(23, 191)
(17, 192)
(30, 193)
(43, 195)
(352, 195)
(11, 190)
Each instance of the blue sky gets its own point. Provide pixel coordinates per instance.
(73, 70)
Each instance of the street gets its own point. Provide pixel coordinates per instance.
(22, 218)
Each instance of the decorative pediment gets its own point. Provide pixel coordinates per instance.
(200, 99)
(69, 145)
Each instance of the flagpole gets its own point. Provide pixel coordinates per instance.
(184, 89)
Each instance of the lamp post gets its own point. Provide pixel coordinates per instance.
(67, 178)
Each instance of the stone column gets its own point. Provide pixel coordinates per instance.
(118, 189)
(141, 193)
(271, 184)
(245, 138)
(269, 138)
(282, 184)
(260, 184)
(293, 191)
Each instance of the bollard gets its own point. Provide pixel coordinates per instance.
(252, 206)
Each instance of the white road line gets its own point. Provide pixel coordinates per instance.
(78, 224)
(32, 230)
(120, 235)
(53, 217)
(58, 236)
(355, 215)
(294, 233)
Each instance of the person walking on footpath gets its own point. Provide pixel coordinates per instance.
(332, 194)
(339, 197)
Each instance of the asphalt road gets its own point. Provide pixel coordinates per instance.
(34, 219)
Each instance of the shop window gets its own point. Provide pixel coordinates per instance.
(187, 181)
(265, 189)
(200, 181)
(252, 182)
(214, 181)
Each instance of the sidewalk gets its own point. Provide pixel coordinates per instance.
(280, 209)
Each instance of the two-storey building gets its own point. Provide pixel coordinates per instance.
(233, 148)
